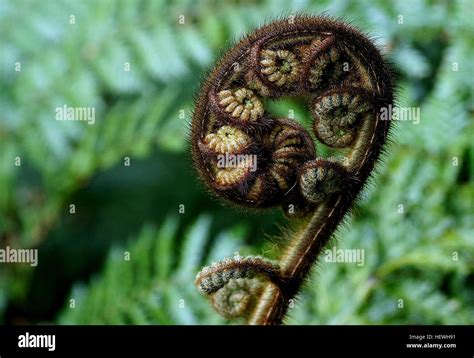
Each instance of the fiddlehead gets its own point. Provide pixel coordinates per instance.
(234, 283)
(252, 159)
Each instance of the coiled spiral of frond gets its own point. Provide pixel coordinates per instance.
(236, 298)
(250, 158)
(234, 282)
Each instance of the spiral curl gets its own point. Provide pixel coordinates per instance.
(340, 75)
(233, 283)
(235, 299)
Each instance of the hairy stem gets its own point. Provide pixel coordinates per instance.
(307, 244)
(298, 258)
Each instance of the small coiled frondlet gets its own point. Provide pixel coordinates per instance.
(233, 282)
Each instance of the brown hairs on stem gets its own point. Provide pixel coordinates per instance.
(251, 159)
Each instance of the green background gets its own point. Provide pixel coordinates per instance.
(419, 264)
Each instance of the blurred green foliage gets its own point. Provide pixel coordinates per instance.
(419, 264)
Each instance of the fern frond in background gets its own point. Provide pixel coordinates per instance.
(152, 280)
